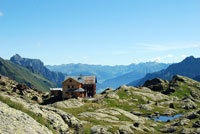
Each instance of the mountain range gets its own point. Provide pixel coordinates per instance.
(110, 76)
(34, 73)
(189, 67)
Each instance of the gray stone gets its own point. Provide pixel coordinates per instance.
(71, 103)
(100, 129)
(14, 121)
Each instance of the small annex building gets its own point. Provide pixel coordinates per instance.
(76, 86)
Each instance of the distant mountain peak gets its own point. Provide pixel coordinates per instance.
(37, 66)
(189, 67)
(190, 57)
(16, 56)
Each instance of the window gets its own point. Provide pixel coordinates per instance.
(70, 80)
(72, 86)
(69, 86)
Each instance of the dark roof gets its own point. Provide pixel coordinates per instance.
(76, 90)
(84, 79)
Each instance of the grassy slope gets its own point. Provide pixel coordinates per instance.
(23, 75)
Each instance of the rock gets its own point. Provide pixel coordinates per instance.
(131, 116)
(169, 129)
(186, 131)
(171, 105)
(99, 116)
(21, 86)
(197, 131)
(136, 124)
(155, 96)
(15, 121)
(100, 129)
(107, 91)
(192, 115)
(188, 104)
(109, 111)
(60, 121)
(112, 95)
(2, 83)
(145, 107)
(122, 87)
(196, 124)
(125, 129)
(182, 122)
(169, 112)
(71, 103)
(37, 99)
(136, 113)
(45, 95)
(157, 84)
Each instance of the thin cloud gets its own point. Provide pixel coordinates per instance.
(84, 57)
(157, 59)
(166, 47)
(170, 56)
(183, 56)
(1, 14)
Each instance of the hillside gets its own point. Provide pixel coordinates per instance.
(37, 66)
(138, 72)
(197, 78)
(21, 112)
(127, 110)
(111, 76)
(23, 75)
(189, 67)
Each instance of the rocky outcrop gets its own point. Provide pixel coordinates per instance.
(100, 129)
(60, 121)
(71, 103)
(157, 84)
(21, 90)
(14, 121)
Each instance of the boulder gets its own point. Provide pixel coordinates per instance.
(186, 131)
(112, 95)
(182, 122)
(98, 116)
(71, 103)
(157, 84)
(37, 99)
(145, 107)
(100, 129)
(2, 83)
(15, 121)
(188, 104)
(107, 91)
(109, 111)
(59, 120)
(169, 129)
(21, 86)
(192, 115)
(125, 129)
(196, 124)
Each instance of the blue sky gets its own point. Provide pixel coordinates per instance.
(107, 32)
